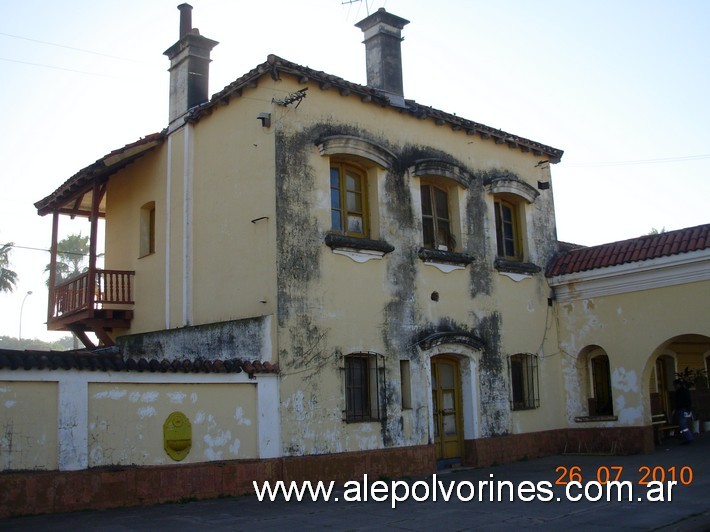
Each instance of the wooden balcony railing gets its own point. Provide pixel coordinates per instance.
(110, 287)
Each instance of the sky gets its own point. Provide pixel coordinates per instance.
(620, 85)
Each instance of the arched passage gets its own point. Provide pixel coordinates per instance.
(684, 356)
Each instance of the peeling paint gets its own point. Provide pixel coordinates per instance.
(627, 415)
(144, 397)
(147, 411)
(239, 416)
(624, 380)
(234, 447)
(177, 397)
(111, 394)
(221, 439)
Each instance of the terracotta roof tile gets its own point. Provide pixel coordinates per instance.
(638, 249)
(102, 168)
(275, 66)
(110, 360)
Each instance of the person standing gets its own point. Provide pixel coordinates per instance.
(683, 409)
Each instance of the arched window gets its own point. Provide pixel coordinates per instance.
(510, 197)
(507, 221)
(348, 200)
(601, 404)
(436, 218)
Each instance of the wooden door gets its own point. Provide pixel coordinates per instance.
(446, 401)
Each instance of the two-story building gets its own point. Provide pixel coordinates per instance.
(323, 279)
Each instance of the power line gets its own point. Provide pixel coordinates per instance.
(49, 251)
(57, 68)
(642, 161)
(69, 47)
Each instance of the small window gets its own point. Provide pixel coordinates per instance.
(436, 219)
(362, 386)
(524, 381)
(601, 404)
(147, 229)
(405, 384)
(508, 230)
(348, 200)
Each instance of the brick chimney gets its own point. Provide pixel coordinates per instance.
(383, 49)
(189, 67)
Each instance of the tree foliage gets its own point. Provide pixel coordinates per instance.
(8, 278)
(72, 258)
(61, 344)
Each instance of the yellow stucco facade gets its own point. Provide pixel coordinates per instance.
(388, 261)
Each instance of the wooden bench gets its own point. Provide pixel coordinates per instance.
(661, 426)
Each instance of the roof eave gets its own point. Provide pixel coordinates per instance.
(101, 170)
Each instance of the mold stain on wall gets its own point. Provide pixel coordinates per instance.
(300, 243)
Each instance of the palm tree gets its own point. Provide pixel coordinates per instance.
(8, 278)
(72, 253)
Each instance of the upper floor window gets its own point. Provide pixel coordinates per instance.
(436, 219)
(147, 230)
(348, 200)
(511, 195)
(507, 220)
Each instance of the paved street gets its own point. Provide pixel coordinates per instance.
(689, 508)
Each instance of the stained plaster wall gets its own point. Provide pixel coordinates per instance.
(81, 419)
(126, 422)
(28, 425)
(330, 305)
(632, 328)
(212, 183)
(247, 339)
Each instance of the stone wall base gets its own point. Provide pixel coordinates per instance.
(514, 447)
(37, 492)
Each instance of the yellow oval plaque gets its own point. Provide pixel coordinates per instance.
(177, 436)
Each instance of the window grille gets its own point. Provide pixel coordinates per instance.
(364, 383)
(524, 384)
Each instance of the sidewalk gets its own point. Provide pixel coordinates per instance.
(688, 510)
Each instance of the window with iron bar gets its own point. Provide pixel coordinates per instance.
(524, 383)
(363, 378)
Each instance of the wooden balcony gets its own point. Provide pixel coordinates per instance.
(95, 303)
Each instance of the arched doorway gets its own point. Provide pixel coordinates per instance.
(447, 407)
(683, 356)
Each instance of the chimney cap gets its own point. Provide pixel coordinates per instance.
(382, 16)
(185, 19)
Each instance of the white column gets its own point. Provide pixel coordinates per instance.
(268, 402)
(73, 425)
(188, 175)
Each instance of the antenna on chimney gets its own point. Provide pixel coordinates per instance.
(351, 2)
